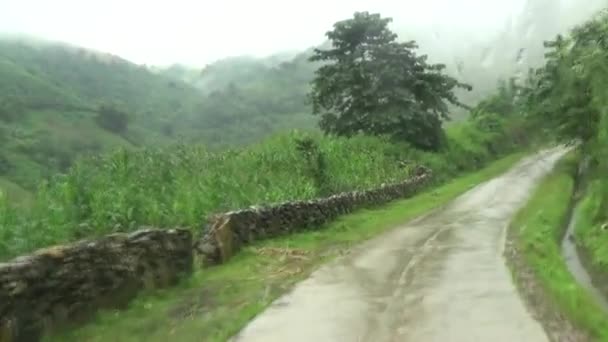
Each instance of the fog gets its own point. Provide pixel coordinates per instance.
(198, 32)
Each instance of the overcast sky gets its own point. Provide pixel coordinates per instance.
(198, 32)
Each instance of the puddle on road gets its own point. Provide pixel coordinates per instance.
(575, 265)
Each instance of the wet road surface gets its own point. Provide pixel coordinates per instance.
(441, 277)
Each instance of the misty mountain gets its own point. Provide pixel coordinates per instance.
(246, 71)
(481, 59)
(51, 100)
(60, 101)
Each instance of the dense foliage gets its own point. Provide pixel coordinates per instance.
(574, 83)
(569, 96)
(372, 83)
(50, 96)
(179, 185)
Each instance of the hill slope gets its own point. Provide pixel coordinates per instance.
(249, 97)
(58, 102)
(49, 108)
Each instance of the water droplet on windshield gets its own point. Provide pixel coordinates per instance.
(521, 56)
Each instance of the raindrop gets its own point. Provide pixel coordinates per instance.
(530, 31)
(521, 56)
(436, 35)
(487, 57)
(460, 67)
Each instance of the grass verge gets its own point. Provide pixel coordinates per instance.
(566, 309)
(591, 235)
(216, 303)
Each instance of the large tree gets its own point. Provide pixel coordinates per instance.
(371, 83)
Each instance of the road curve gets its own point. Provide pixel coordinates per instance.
(441, 277)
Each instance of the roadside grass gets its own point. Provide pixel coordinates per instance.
(591, 234)
(215, 303)
(538, 230)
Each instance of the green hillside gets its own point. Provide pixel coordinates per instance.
(249, 97)
(52, 96)
(50, 107)
(58, 102)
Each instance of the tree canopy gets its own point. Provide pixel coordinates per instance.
(569, 98)
(371, 83)
(568, 91)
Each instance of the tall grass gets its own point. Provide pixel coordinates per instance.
(181, 185)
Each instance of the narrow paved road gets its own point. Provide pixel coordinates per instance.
(439, 278)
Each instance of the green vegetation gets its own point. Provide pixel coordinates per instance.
(149, 180)
(568, 93)
(63, 103)
(90, 147)
(246, 98)
(51, 96)
(179, 185)
(216, 303)
(59, 102)
(591, 235)
(539, 228)
(568, 97)
(369, 82)
(14, 192)
(585, 120)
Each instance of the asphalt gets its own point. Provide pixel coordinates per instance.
(441, 277)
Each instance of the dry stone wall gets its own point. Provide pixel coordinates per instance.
(228, 232)
(62, 284)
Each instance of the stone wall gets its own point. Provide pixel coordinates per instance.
(62, 284)
(229, 231)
